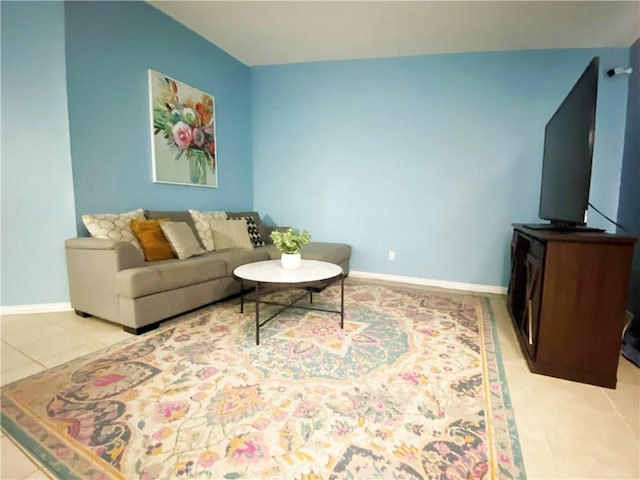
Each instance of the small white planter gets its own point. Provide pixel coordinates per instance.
(290, 261)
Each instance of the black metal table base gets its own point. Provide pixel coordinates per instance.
(308, 287)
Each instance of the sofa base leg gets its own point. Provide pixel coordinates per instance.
(141, 330)
(82, 314)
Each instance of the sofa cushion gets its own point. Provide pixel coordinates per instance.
(235, 258)
(114, 226)
(174, 216)
(169, 275)
(327, 252)
(231, 233)
(182, 240)
(155, 245)
(256, 218)
(202, 222)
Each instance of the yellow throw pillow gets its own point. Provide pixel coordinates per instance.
(154, 243)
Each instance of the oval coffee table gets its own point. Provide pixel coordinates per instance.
(312, 275)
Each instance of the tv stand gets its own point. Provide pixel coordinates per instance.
(558, 227)
(567, 298)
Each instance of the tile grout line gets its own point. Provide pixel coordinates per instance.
(39, 362)
(37, 465)
(17, 349)
(623, 418)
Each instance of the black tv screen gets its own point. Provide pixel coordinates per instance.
(568, 153)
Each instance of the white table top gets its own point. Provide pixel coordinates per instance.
(271, 271)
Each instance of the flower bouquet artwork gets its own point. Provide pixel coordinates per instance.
(183, 134)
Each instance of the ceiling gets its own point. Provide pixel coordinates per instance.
(276, 32)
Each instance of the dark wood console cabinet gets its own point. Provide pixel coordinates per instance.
(567, 298)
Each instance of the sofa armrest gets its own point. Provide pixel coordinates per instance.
(124, 253)
(92, 265)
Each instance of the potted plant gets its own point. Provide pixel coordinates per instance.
(289, 243)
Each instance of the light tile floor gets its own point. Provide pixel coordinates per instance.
(567, 430)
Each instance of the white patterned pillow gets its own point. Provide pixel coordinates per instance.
(114, 226)
(203, 226)
(231, 234)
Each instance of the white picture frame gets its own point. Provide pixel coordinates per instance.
(183, 133)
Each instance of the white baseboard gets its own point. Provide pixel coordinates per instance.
(469, 287)
(38, 308)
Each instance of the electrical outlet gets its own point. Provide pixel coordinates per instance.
(392, 255)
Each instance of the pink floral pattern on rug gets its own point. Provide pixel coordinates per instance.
(411, 388)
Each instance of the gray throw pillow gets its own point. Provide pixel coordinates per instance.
(203, 229)
(256, 219)
(231, 234)
(174, 216)
(182, 240)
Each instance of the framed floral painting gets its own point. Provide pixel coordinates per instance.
(183, 133)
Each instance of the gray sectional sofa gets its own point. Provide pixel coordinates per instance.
(110, 279)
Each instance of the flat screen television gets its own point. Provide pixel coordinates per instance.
(567, 157)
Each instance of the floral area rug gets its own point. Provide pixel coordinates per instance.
(413, 387)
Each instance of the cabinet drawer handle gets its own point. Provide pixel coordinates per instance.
(530, 323)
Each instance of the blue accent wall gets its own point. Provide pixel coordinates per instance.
(110, 47)
(37, 212)
(629, 212)
(432, 156)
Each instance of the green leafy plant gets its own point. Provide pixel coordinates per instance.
(290, 241)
